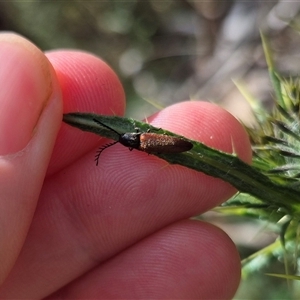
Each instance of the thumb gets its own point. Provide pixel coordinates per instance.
(30, 117)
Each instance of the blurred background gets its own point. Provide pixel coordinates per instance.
(169, 51)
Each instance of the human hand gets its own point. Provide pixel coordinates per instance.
(70, 229)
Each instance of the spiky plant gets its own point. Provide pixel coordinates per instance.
(276, 154)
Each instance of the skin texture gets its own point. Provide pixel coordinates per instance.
(69, 229)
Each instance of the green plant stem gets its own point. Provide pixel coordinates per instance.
(200, 158)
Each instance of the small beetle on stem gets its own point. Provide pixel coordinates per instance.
(147, 142)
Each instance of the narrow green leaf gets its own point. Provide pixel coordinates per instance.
(201, 158)
(275, 78)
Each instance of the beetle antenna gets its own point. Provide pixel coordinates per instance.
(102, 124)
(101, 149)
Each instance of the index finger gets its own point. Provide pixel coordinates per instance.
(88, 84)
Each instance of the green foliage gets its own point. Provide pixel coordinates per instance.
(276, 153)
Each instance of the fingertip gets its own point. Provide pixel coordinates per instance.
(88, 85)
(207, 123)
(26, 86)
(186, 260)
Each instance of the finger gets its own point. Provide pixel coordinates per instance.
(208, 123)
(187, 260)
(30, 115)
(89, 214)
(88, 85)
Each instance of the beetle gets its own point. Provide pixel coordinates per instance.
(147, 142)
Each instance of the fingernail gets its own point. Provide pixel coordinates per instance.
(25, 86)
